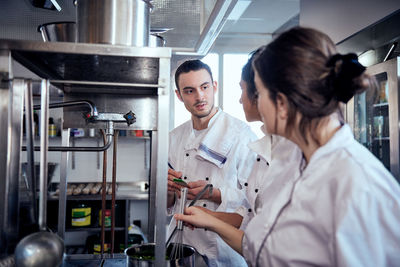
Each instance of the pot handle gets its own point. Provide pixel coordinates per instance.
(42, 31)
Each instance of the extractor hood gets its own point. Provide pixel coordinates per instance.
(193, 24)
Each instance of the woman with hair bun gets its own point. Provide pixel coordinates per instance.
(344, 207)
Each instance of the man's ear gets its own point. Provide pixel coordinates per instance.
(282, 106)
(178, 94)
(215, 86)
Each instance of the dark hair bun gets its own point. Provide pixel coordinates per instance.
(346, 76)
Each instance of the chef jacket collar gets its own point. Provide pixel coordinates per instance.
(262, 147)
(341, 139)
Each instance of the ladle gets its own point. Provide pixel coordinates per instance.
(43, 248)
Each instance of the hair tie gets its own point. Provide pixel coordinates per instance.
(344, 68)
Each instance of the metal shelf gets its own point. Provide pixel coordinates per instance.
(92, 229)
(131, 196)
(89, 68)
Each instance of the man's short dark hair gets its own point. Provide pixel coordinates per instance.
(191, 65)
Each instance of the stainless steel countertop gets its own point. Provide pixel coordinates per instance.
(94, 261)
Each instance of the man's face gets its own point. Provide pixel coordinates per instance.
(196, 91)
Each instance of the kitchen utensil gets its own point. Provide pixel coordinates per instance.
(143, 255)
(208, 187)
(41, 249)
(177, 249)
(58, 31)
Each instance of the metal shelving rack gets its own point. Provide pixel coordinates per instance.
(116, 79)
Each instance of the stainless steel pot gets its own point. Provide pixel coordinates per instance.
(114, 22)
(136, 256)
(58, 32)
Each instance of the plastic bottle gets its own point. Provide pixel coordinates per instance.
(135, 234)
(52, 128)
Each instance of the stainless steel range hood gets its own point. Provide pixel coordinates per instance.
(194, 24)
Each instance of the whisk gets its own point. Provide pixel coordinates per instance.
(176, 251)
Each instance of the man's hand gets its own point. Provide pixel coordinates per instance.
(195, 188)
(174, 189)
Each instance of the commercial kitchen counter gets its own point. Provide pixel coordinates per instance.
(119, 260)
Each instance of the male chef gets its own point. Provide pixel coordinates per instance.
(211, 148)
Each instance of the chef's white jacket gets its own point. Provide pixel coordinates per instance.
(220, 156)
(342, 210)
(273, 153)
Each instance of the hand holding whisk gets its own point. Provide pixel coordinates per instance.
(176, 252)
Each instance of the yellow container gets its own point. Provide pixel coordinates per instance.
(81, 216)
(97, 248)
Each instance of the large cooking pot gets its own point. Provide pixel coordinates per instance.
(143, 256)
(114, 22)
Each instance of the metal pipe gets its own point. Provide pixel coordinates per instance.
(114, 180)
(93, 109)
(44, 131)
(103, 195)
(78, 149)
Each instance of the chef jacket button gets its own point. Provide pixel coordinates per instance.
(246, 184)
(207, 179)
(256, 190)
(267, 163)
(204, 205)
(185, 177)
(258, 159)
(205, 229)
(187, 154)
(249, 210)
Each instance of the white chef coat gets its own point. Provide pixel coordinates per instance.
(273, 153)
(343, 210)
(221, 157)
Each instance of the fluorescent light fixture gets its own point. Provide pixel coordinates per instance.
(239, 9)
